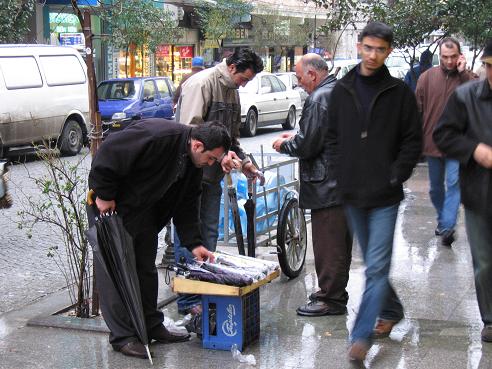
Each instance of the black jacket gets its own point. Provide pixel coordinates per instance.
(466, 122)
(373, 162)
(147, 171)
(317, 183)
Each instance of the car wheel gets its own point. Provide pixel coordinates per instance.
(251, 124)
(71, 140)
(290, 122)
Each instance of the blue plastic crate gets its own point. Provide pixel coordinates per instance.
(229, 320)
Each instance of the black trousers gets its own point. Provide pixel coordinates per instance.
(332, 246)
(114, 312)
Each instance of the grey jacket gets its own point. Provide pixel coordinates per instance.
(212, 95)
(317, 187)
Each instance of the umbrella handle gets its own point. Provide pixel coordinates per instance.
(91, 202)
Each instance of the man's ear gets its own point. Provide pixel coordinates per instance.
(197, 146)
(231, 68)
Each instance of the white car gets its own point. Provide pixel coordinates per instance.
(266, 101)
(291, 82)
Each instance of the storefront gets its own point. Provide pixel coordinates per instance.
(174, 61)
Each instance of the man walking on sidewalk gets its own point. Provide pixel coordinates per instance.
(433, 90)
(375, 141)
(332, 242)
(464, 133)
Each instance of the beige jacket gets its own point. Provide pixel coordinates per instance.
(212, 95)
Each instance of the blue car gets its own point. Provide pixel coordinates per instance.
(124, 99)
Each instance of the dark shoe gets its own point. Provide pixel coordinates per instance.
(383, 328)
(358, 351)
(320, 308)
(315, 295)
(135, 349)
(447, 237)
(438, 231)
(162, 335)
(487, 333)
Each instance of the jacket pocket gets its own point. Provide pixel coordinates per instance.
(313, 171)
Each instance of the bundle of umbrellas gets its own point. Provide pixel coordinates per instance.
(232, 270)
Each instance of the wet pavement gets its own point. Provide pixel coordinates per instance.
(435, 283)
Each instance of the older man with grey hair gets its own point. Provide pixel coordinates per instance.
(332, 242)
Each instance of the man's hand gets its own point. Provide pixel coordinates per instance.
(105, 206)
(202, 254)
(230, 161)
(461, 64)
(278, 142)
(483, 155)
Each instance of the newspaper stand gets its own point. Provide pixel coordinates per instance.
(231, 315)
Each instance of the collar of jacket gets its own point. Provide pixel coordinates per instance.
(484, 91)
(387, 80)
(224, 75)
(329, 79)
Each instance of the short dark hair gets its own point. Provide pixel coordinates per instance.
(378, 30)
(449, 42)
(212, 135)
(245, 59)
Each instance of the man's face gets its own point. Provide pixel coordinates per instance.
(240, 78)
(449, 57)
(305, 78)
(374, 52)
(202, 158)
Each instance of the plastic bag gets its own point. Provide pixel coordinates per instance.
(236, 355)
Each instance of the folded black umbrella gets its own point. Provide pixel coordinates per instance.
(112, 245)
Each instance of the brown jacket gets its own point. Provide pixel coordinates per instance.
(212, 95)
(433, 90)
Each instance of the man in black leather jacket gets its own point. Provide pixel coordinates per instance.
(464, 133)
(332, 242)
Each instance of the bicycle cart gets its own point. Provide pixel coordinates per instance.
(277, 221)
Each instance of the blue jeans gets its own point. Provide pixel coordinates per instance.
(374, 229)
(444, 190)
(479, 231)
(209, 227)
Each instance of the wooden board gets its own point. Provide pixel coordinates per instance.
(183, 285)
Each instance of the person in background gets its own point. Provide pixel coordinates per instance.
(374, 140)
(213, 95)
(332, 241)
(414, 73)
(464, 133)
(433, 90)
(197, 65)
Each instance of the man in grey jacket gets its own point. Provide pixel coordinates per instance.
(212, 95)
(332, 242)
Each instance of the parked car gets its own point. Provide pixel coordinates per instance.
(290, 81)
(123, 99)
(397, 65)
(43, 96)
(265, 101)
(341, 67)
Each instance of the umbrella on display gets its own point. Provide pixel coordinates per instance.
(250, 208)
(113, 247)
(231, 191)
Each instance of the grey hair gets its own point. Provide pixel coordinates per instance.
(314, 61)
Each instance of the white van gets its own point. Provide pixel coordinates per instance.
(43, 96)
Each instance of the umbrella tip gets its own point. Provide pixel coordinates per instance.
(149, 355)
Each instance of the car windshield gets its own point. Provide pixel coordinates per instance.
(117, 90)
(284, 78)
(251, 87)
(396, 61)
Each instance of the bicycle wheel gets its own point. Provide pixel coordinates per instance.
(291, 238)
